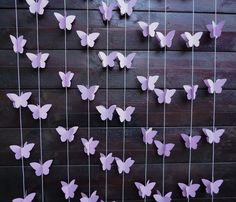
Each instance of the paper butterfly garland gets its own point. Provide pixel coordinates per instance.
(164, 96)
(124, 166)
(106, 113)
(163, 149)
(38, 60)
(191, 91)
(159, 198)
(28, 198)
(212, 187)
(87, 39)
(106, 10)
(125, 115)
(126, 7)
(192, 40)
(69, 189)
(107, 60)
(67, 135)
(66, 78)
(165, 40)
(191, 142)
(189, 190)
(88, 93)
(41, 168)
(106, 161)
(22, 152)
(126, 61)
(145, 190)
(37, 6)
(18, 43)
(213, 136)
(148, 135)
(148, 29)
(215, 29)
(93, 198)
(215, 87)
(19, 101)
(89, 145)
(40, 112)
(65, 22)
(148, 83)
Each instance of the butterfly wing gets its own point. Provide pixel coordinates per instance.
(129, 60)
(120, 165)
(160, 94)
(83, 37)
(71, 133)
(111, 110)
(209, 134)
(43, 111)
(160, 147)
(194, 141)
(143, 81)
(128, 112)
(121, 114)
(192, 189)
(169, 38)
(42, 60)
(144, 26)
(186, 140)
(69, 20)
(63, 133)
(217, 135)
(122, 60)
(35, 111)
(168, 148)
(91, 92)
(84, 92)
(61, 19)
(152, 28)
(219, 84)
(168, 95)
(33, 58)
(207, 184)
(46, 167)
(27, 149)
(148, 189)
(216, 186)
(183, 187)
(92, 146)
(196, 38)
(30, 197)
(15, 99)
(103, 112)
(210, 84)
(127, 164)
(91, 39)
(24, 98)
(130, 6)
(17, 150)
(151, 82)
(37, 168)
(218, 29)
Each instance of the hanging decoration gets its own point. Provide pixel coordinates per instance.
(189, 190)
(88, 93)
(37, 6)
(38, 60)
(28, 198)
(66, 78)
(41, 168)
(67, 134)
(164, 96)
(147, 83)
(145, 190)
(106, 113)
(39, 112)
(87, 39)
(191, 91)
(124, 165)
(215, 86)
(19, 100)
(125, 115)
(191, 142)
(215, 29)
(69, 189)
(106, 10)
(109, 59)
(148, 29)
(159, 198)
(65, 22)
(192, 39)
(18, 43)
(22, 152)
(148, 135)
(165, 40)
(126, 7)
(126, 61)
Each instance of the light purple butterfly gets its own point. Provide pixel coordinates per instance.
(18, 43)
(164, 149)
(126, 7)
(27, 198)
(87, 39)
(22, 152)
(189, 190)
(125, 115)
(165, 40)
(145, 190)
(126, 61)
(212, 187)
(65, 22)
(148, 135)
(40, 112)
(124, 166)
(213, 136)
(37, 6)
(88, 93)
(107, 60)
(215, 87)
(191, 91)
(106, 161)
(215, 29)
(66, 78)
(89, 145)
(164, 96)
(69, 189)
(67, 135)
(93, 198)
(159, 198)
(106, 10)
(148, 29)
(19, 101)
(192, 40)
(148, 83)
(191, 142)
(38, 60)
(106, 113)
(41, 168)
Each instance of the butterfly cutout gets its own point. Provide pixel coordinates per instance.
(40, 112)
(213, 136)
(145, 190)
(106, 161)
(212, 187)
(37, 6)
(106, 113)
(148, 135)
(164, 96)
(41, 168)
(191, 91)
(192, 40)
(38, 60)
(66, 78)
(18, 43)
(93, 198)
(164, 149)
(69, 189)
(191, 142)
(125, 115)
(89, 145)
(88, 93)
(159, 198)
(126, 61)
(126, 7)
(147, 83)
(107, 60)
(189, 190)
(106, 10)
(28, 198)
(22, 152)
(67, 135)
(165, 40)
(19, 101)
(215, 29)
(87, 39)
(65, 22)
(148, 29)
(215, 87)
(124, 166)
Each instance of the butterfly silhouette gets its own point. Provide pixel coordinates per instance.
(19, 100)
(65, 22)
(148, 29)
(66, 78)
(27, 198)
(23, 151)
(191, 91)
(93, 198)
(106, 10)
(125, 115)
(189, 190)
(89, 145)
(164, 149)
(37, 6)
(213, 136)
(18, 43)
(88, 93)
(215, 87)
(38, 60)
(215, 29)
(192, 40)
(126, 7)
(212, 187)
(87, 39)
(69, 189)
(126, 61)
(107, 60)
(40, 112)
(124, 166)
(41, 168)
(159, 198)
(148, 135)
(191, 141)
(67, 135)
(106, 113)
(148, 83)
(145, 190)
(164, 96)
(165, 40)
(106, 161)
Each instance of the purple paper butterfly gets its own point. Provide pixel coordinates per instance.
(106, 161)
(212, 187)
(165, 40)
(148, 83)
(93, 198)
(148, 135)
(148, 29)
(27, 198)
(106, 10)
(191, 142)
(67, 135)
(125, 115)
(126, 61)
(37, 6)
(18, 43)
(87, 39)
(107, 60)
(66, 78)
(40, 112)
(22, 152)
(164, 149)
(164, 96)
(191, 91)
(65, 22)
(124, 166)
(213, 136)
(106, 113)
(19, 100)
(145, 190)
(189, 190)
(89, 145)
(38, 60)
(159, 198)
(41, 168)
(126, 7)
(215, 87)
(215, 29)
(192, 40)
(88, 93)
(69, 189)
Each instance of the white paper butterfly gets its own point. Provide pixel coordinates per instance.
(22, 151)
(18, 43)
(87, 39)
(19, 100)
(107, 60)
(67, 135)
(148, 29)
(37, 6)
(215, 87)
(164, 96)
(40, 112)
(125, 115)
(65, 22)
(126, 61)
(41, 168)
(148, 83)
(106, 113)
(38, 60)
(66, 78)
(87, 93)
(166, 40)
(126, 7)
(192, 40)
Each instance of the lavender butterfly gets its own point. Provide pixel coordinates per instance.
(18, 43)
(107, 60)
(213, 136)
(41, 168)
(215, 87)
(165, 40)
(145, 190)
(69, 189)
(148, 83)
(148, 135)
(22, 152)
(87, 39)
(106, 161)
(27, 198)
(189, 190)
(106, 10)
(19, 100)
(89, 145)
(93, 198)
(38, 60)
(215, 29)
(192, 40)
(124, 166)
(40, 112)
(159, 198)
(212, 187)
(106, 113)
(148, 30)
(67, 135)
(37, 6)
(65, 22)
(66, 78)
(191, 142)
(164, 149)
(191, 91)
(164, 96)
(126, 61)
(126, 7)
(125, 115)
(88, 93)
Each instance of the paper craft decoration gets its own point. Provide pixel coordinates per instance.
(164, 96)
(125, 115)
(67, 135)
(165, 40)
(38, 60)
(19, 100)
(215, 87)
(107, 60)
(159, 198)
(126, 7)
(66, 78)
(37, 6)
(39, 112)
(18, 43)
(126, 61)
(88, 93)
(145, 190)
(164, 149)
(124, 166)
(213, 136)
(215, 29)
(87, 39)
(191, 142)
(189, 190)
(106, 10)
(106, 113)
(191, 91)
(89, 145)
(148, 135)
(41, 168)
(148, 83)
(69, 189)
(212, 187)
(27, 198)
(192, 40)
(148, 29)
(106, 161)
(22, 152)
(65, 22)
(93, 198)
